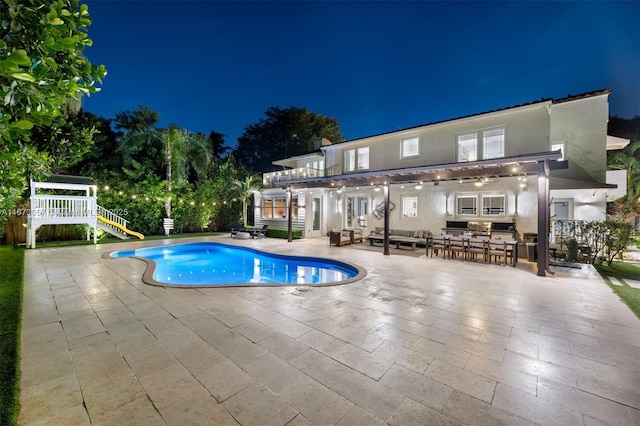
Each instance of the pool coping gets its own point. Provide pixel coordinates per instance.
(147, 276)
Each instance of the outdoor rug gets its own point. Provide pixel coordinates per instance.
(420, 251)
(565, 264)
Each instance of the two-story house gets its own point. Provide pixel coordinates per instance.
(521, 166)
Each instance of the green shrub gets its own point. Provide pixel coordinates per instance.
(283, 233)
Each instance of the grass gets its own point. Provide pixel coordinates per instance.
(623, 271)
(11, 276)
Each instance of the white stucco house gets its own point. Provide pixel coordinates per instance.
(518, 167)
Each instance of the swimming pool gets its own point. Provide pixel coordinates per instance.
(210, 264)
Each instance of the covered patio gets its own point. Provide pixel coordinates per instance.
(539, 165)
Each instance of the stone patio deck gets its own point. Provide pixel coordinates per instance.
(418, 341)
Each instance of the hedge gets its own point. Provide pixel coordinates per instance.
(283, 233)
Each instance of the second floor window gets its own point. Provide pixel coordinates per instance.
(409, 147)
(356, 159)
(493, 146)
(468, 147)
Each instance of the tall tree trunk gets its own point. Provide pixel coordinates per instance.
(244, 212)
(167, 206)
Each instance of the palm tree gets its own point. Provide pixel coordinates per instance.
(244, 190)
(182, 152)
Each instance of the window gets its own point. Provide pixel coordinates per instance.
(276, 208)
(409, 147)
(409, 207)
(467, 147)
(466, 204)
(493, 205)
(558, 147)
(350, 160)
(362, 157)
(493, 146)
(267, 208)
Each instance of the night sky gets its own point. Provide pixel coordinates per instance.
(374, 66)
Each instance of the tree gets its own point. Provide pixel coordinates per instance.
(283, 133)
(67, 142)
(182, 153)
(99, 162)
(244, 189)
(219, 149)
(41, 69)
(139, 120)
(627, 207)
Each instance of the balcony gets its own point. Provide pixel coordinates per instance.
(277, 179)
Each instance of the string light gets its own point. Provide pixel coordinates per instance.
(169, 198)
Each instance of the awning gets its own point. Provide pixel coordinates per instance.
(560, 183)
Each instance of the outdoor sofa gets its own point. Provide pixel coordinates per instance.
(401, 237)
(340, 237)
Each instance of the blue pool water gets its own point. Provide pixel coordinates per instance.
(202, 264)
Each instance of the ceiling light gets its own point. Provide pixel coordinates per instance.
(478, 182)
(377, 188)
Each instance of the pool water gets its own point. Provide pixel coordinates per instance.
(216, 264)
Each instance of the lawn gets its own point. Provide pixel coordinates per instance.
(11, 275)
(623, 271)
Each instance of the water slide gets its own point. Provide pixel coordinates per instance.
(119, 227)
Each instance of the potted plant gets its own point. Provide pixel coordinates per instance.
(572, 250)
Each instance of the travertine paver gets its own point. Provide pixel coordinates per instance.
(418, 341)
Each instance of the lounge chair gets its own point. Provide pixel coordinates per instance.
(339, 238)
(357, 234)
(259, 233)
(236, 229)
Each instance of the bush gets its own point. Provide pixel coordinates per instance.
(283, 233)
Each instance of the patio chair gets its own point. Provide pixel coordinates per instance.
(440, 242)
(458, 245)
(358, 235)
(477, 247)
(497, 249)
(339, 238)
(259, 233)
(236, 229)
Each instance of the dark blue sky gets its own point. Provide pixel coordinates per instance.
(374, 66)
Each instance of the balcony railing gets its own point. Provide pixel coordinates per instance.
(47, 206)
(275, 179)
